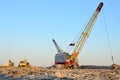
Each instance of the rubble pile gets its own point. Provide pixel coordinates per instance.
(41, 73)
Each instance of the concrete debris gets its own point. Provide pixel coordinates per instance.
(41, 73)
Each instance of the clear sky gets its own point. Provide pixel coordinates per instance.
(27, 28)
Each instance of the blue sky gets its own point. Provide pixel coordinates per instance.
(27, 28)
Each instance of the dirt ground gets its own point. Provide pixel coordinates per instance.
(41, 73)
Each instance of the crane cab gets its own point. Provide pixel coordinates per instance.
(61, 58)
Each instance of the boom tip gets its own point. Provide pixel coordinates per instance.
(99, 7)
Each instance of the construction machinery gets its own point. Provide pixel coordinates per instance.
(115, 66)
(24, 63)
(9, 64)
(70, 61)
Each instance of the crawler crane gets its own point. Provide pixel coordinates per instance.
(70, 61)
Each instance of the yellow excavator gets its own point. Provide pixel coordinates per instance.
(9, 64)
(24, 63)
(65, 60)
